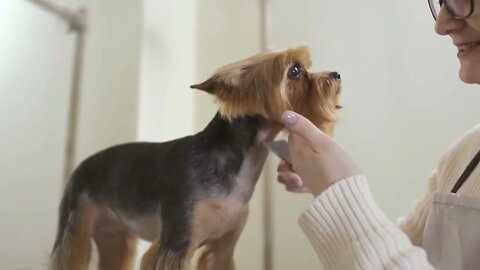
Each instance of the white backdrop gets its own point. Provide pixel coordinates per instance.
(36, 53)
(32, 131)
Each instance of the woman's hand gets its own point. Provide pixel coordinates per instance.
(316, 157)
(289, 178)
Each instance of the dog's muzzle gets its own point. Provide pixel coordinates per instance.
(335, 75)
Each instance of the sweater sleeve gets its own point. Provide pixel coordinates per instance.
(348, 230)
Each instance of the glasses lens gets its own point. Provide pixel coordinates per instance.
(459, 8)
(435, 6)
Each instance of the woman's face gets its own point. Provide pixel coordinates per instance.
(465, 34)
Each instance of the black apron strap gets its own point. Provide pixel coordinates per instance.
(466, 173)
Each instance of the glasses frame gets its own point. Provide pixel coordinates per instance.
(435, 16)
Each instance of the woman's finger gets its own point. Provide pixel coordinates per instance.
(300, 126)
(302, 189)
(289, 179)
(284, 166)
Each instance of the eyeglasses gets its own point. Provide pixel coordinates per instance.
(459, 9)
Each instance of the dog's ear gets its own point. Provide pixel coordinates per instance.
(226, 79)
(210, 86)
(244, 77)
(243, 88)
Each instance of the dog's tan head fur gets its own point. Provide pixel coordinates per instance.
(270, 83)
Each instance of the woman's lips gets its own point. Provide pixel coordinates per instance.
(465, 48)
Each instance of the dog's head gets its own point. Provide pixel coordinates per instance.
(270, 83)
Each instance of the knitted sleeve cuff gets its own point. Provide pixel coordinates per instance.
(348, 229)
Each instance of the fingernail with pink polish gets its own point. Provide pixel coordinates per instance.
(289, 118)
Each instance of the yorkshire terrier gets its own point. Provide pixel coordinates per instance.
(193, 191)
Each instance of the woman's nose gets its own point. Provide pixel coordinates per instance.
(446, 23)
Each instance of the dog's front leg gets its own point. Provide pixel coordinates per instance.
(218, 254)
(158, 258)
(173, 249)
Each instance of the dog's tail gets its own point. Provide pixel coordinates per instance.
(71, 250)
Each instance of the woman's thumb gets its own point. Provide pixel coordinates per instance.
(302, 127)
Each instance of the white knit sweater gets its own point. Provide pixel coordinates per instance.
(349, 230)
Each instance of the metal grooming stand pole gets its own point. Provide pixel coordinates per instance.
(76, 21)
(265, 39)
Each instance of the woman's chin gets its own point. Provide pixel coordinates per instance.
(469, 76)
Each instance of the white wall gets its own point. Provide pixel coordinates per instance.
(34, 83)
(110, 86)
(403, 101)
(166, 103)
(37, 53)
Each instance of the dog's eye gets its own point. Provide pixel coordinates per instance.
(294, 73)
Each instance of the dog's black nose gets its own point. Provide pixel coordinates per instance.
(335, 75)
